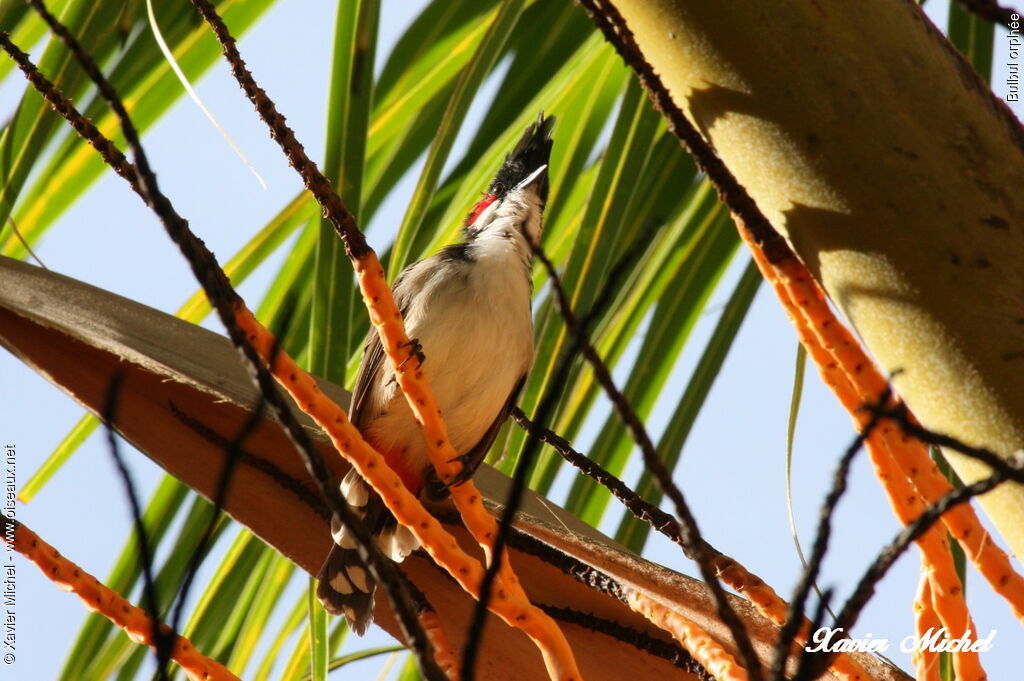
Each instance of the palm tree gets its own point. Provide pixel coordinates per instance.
(635, 229)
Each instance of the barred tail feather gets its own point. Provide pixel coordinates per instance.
(346, 587)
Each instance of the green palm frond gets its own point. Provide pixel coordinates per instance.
(675, 240)
(638, 235)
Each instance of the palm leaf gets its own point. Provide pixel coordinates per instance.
(625, 199)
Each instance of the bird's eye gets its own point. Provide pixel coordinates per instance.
(498, 189)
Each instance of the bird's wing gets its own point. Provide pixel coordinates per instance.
(373, 366)
(369, 367)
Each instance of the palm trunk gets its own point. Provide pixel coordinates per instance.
(894, 172)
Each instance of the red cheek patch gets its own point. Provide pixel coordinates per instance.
(480, 207)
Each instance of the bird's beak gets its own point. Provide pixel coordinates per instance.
(535, 177)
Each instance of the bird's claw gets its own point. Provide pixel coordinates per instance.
(415, 350)
(464, 474)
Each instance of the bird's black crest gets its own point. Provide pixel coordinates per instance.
(533, 151)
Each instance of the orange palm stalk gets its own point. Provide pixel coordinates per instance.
(112, 605)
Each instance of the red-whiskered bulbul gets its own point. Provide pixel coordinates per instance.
(468, 307)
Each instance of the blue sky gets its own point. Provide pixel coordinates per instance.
(736, 451)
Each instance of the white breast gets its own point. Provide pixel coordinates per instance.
(474, 322)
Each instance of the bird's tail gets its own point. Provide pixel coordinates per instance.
(346, 587)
